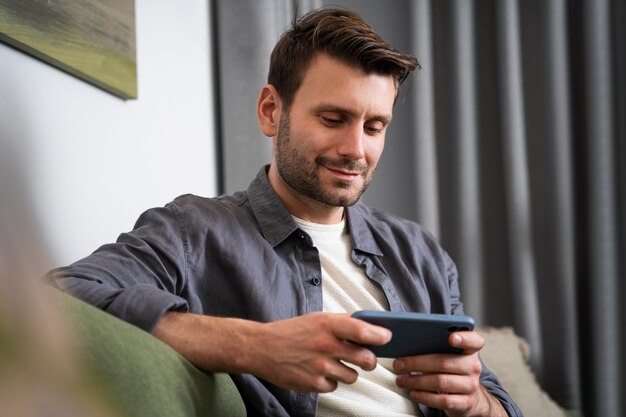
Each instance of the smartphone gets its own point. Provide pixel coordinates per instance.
(415, 333)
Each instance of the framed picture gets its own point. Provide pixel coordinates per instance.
(91, 39)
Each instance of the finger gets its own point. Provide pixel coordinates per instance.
(438, 363)
(359, 331)
(442, 401)
(469, 342)
(339, 372)
(356, 355)
(321, 385)
(439, 383)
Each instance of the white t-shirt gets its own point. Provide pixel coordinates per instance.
(346, 289)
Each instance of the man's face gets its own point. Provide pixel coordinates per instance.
(330, 140)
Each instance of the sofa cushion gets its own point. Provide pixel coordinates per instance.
(506, 354)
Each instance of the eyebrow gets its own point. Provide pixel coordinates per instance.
(333, 108)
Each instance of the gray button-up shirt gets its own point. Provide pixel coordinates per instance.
(243, 256)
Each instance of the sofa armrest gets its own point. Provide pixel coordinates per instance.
(138, 375)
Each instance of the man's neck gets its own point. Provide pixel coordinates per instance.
(310, 210)
(301, 206)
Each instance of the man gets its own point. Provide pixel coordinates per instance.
(258, 284)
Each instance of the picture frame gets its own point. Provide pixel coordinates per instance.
(93, 40)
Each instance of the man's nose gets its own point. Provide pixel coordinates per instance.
(351, 143)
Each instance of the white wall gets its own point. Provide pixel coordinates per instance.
(92, 162)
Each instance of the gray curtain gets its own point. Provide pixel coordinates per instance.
(509, 145)
(244, 34)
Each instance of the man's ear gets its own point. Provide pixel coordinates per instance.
(268, 110)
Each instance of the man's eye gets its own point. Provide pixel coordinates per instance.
(331, 121)
(374, 129)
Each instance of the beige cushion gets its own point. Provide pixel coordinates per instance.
(506, 354)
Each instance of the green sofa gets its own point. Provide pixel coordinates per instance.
(136, 375)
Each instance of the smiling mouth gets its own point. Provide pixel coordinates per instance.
(343, 168)
(343, 174)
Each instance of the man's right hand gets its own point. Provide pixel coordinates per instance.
(304, 353)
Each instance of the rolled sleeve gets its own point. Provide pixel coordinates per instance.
(139, 277)
(143, 305)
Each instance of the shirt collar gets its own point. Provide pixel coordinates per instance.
(360, 231)
(271, 214)
(277, 224)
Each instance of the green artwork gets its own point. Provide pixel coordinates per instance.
(91, 39)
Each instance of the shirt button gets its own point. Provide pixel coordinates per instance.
(316, 281)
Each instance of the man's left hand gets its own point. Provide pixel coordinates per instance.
(450, 382)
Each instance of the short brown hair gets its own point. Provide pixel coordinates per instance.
(341, 34)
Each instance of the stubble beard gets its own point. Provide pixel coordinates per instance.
(302, 176)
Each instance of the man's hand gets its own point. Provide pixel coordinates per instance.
(303, 353)
(450, 382)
